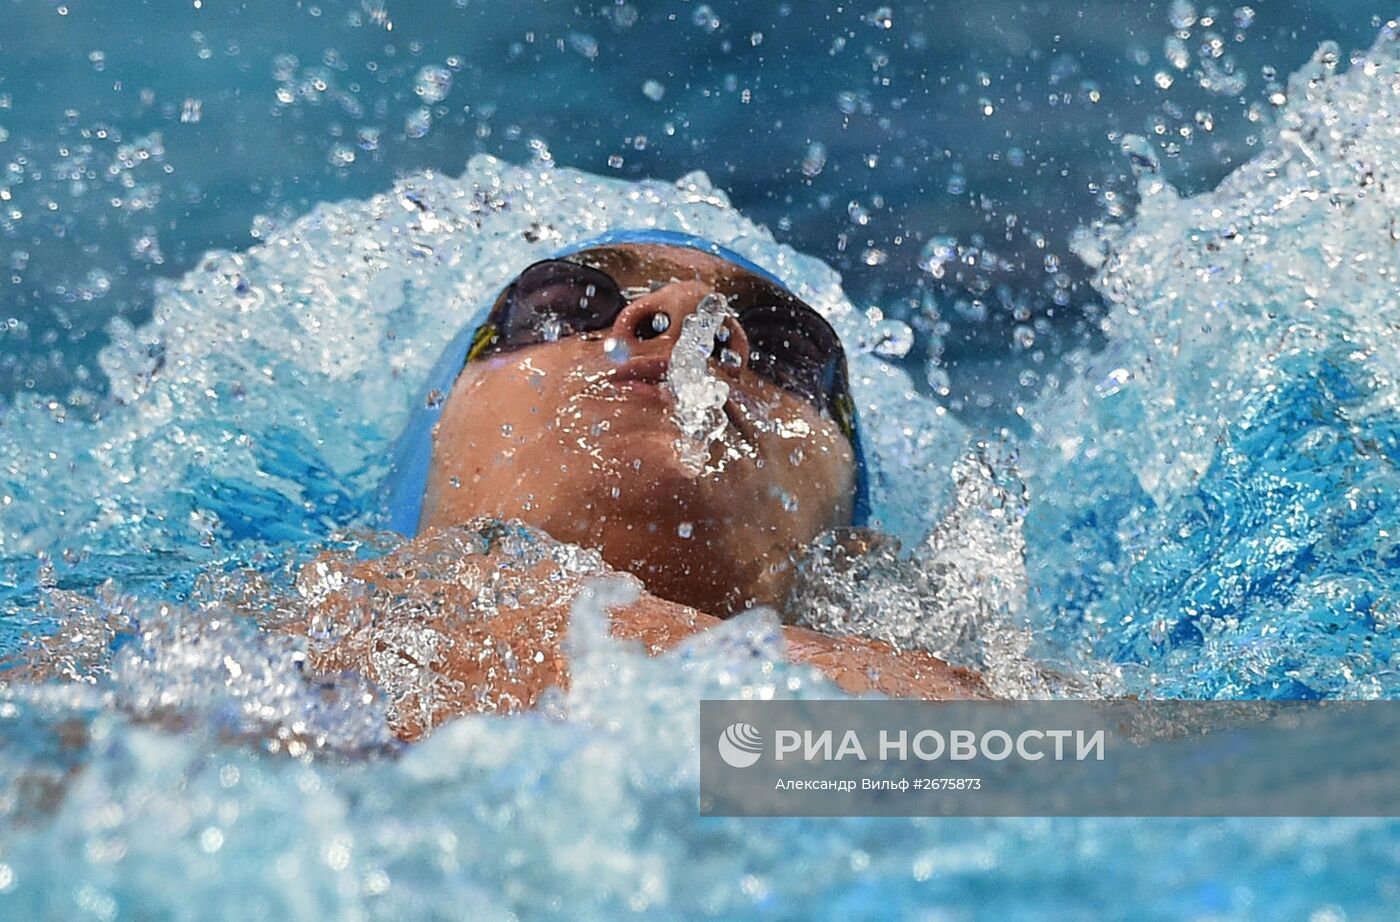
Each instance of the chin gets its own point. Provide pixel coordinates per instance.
(714, 575)
(665, 489)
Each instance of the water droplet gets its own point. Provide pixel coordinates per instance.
(418, 123)
(685, 530)
(882, 18)
(584, 44)
(894, 339)
(937, 254)
(616, 349)
(433, 83)
(705, 18)
(1176, 53)
(653, 90)
(660, 322)
(1141, 153)
(341, 155)
(1113, 382)
(284, 67)
(191, 111)
(1181, 14)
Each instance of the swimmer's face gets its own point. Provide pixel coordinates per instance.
(578, 437)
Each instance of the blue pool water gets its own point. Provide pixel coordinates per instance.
(1195, 497)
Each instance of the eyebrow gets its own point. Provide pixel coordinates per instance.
(629, 270)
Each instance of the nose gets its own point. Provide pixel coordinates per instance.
(653, 322)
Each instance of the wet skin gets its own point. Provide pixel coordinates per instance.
(568, 438)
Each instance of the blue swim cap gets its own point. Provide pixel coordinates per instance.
(401, 495)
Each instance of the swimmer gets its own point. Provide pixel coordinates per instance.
(566, 411)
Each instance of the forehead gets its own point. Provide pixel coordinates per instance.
(643, 265)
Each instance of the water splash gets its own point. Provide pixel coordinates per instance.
(960, 593)
(1213, 496)
(700, 395)
(176, 666)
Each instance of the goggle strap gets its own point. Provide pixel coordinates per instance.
(482, 339)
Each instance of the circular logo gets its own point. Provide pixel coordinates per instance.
(740, 745)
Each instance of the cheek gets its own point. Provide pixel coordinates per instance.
(819, 473)
(520, 419)
(806, 458)
(484, 420)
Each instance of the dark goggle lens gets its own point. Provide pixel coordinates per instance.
(553, 299)
(794, 347)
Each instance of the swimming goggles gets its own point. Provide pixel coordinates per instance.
(790, 344)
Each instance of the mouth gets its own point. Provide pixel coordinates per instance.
(648, 375)
(640, 371)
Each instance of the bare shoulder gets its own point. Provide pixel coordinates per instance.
(861, 665)
(448, 624)
(858, 664)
